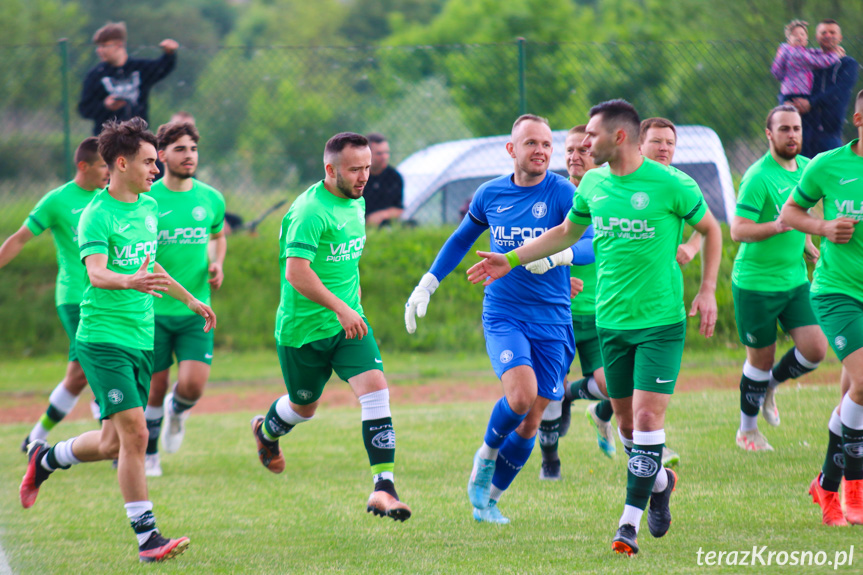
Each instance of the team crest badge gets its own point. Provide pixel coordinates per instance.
(643, 466)
(640, 200)
(199, 213)
(115, 396)
(505, 356)
(150, 223)
(840, 342)
(539, 210)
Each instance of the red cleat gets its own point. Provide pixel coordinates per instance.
(831, 508)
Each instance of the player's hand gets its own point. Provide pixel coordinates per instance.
(169, 46)
(810, 252)
(217, 275)
(840, 230)
(490, 268)
(685, 253)
(113, 104)
(542, 265)
(802, 104)
(205, 312)
(705, 304)
(418, 303)
(780, 227)
(352, 323)
(576, 286)
(146, 282)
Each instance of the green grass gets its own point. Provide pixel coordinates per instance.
(312, 519)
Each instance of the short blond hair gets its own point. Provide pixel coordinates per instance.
(796, 24)
(110, 32)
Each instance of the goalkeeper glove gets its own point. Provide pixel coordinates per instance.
(418, 303)
(541, 266)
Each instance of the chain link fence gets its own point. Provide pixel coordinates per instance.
(264, 113)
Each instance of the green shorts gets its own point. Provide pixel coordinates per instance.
(183, 336)
(70, 314)
(841, 318)
(307, 369)
(757, 312)
(646, 359)
(587, 343)
(119, 376)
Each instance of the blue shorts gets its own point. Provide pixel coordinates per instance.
(548, 349)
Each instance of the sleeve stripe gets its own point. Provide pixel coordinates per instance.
(748, 208)
(694, 210)
(94, 243)
(804, 196)
(579, 214)
(217, 224)
(302, 246)
(477, 221)
(37, 222)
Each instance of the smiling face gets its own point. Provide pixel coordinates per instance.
(659, 145)
(531, 149)
(181, 157)
(797, 36)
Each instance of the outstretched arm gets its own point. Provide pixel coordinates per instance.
(13, 244)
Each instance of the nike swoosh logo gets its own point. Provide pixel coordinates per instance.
(554, 390)
(163, 214)
(343, 225)
(208, 355)
(500, 209)
(783, 190)
(843, 181)
(599, 198)
(78, 211)
(663, 380)
(124, 228)
(378, 360)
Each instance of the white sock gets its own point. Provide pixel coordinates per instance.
(632, 516)
(552, 411)
(624, 440)
(495, 494)
(283, 408)
(772, 383)
(803, 361)
(375, 405)
(835, 424)
(153, 413)
(38, 432)
(63, 453)
(594, 390)
(384, 476)
(486, 452)
(136, 509)
(748, 422)
(851, 413)
(661, 480)
(62, 399)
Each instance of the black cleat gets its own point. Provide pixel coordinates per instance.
(24, 444)
(624, 541)
(565, 415)
(550, 470)
(158, 548)
(658, 512)
(35, 474)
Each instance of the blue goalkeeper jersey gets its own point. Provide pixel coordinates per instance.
(512, 214)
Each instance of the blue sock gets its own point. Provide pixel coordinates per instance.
(501, 424)
(511, 458)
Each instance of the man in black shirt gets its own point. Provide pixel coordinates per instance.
(119, 87)
(383, 192)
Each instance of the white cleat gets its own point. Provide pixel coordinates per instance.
(752, 440)
(769, 409)
(175, 426)
(152, 466)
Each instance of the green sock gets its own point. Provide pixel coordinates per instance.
(579, 390)
(51, 417)
(834, 464)
(604, 410)
(154, 428)
(274, 426)
(752, 395)
(852, 439)
(380, 441)
(644, 462)
(548, 438)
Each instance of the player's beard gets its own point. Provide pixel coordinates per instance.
(785, 154)
(347, 189)
(184, 175)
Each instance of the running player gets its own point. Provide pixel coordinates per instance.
(117, 238)
(191, 216)
(837, 299)
(59, 211)
(320, 324)
(638, 208)
(769, 280)
(526, 318)
(557, 416)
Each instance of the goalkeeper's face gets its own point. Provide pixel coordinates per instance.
(350, 171)
(531, 147)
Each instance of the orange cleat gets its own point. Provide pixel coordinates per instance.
(385, 505)
(270, 455)
(831, 508)
(853, 491)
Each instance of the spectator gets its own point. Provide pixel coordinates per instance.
(794, 62)
(384, 189)
(823, 112)
(118, 88)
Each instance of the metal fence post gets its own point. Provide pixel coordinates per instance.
(64, 89)
(522, 83)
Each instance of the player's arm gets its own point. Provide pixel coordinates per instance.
(179, 293)
(13, 244)
(838, 231)
(748, 231)
(580, 254)
(216, 250)
(494, 266)
(142, 280)
(705, 300)
(301, 276)
(686, 252)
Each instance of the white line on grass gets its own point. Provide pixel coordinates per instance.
(5, 569)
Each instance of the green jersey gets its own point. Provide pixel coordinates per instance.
(774, 264)
(330, 232)
(126, 233)
(186, 220)
(585, 302)
(637, 221)
(836, 177)
(59, 210)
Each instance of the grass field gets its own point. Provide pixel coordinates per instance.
(312, 519)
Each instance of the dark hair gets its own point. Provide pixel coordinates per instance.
(655, 123)
(579, 129)
(88, 151)
(109, 32)
(124, 139)
(340, 141)
(170, 133)
(829, 21)
(376, 138)
(776, 110)
(619, 113)
(529, 118)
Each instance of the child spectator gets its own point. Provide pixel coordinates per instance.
(794, 62)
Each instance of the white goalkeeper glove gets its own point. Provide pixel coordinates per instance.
(541, 266)
(418, 303)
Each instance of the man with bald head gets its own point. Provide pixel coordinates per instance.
(526, 318)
